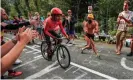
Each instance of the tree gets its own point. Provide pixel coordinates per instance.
(13, 11)
(5, 4)
(106, 10)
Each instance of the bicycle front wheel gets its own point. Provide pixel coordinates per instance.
(63, 56)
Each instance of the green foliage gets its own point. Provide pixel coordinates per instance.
(105, 11)
(130, 30)
(6, 5)
(112, 33)
(112, 23)
(79, 27)
(13, 11)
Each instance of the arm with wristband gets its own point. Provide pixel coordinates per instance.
(17, 26)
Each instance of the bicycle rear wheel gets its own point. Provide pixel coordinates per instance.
(63, 56)
(44, 47)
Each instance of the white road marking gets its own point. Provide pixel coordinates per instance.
(44, 71)
(93, 71)
(35, 46)
(76, 70)
(24, 49)
(123, 63)
(57, 77)
(36, 52)
(29, 51)
(91, 62)
(81, 76)
(33, 49)
(27, 63)
(94, 63)
(38, 56)
(86, 61)
(69, 68)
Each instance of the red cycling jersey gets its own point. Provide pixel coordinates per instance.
(50, 25)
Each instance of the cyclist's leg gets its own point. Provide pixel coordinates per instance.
(56, 35)
(41, 31)
(49, 50)
(43, 34)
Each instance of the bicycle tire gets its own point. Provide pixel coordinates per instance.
(68, 53)
(44, 49)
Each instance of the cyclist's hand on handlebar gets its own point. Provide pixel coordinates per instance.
(67, 37)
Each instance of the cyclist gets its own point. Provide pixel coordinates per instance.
(51, 25)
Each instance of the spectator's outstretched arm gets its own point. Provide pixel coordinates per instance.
(17, 26)
(6, 48)
(14, 53)
(10, 44)
(11, 57)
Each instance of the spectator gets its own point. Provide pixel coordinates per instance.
(48, 14)
(91, 27)
(22, 19)
(70, 23)
(16, 20)
(39, 25)
(123, 20)
(131, 45)
(42, 18)
(64, 20)
(30, 15)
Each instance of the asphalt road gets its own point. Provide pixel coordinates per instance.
(83, 66)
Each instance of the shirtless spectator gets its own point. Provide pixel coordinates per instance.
(91, 27)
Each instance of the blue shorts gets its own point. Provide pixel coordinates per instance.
(71, 32)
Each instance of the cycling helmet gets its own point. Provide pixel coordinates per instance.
(56, 11)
